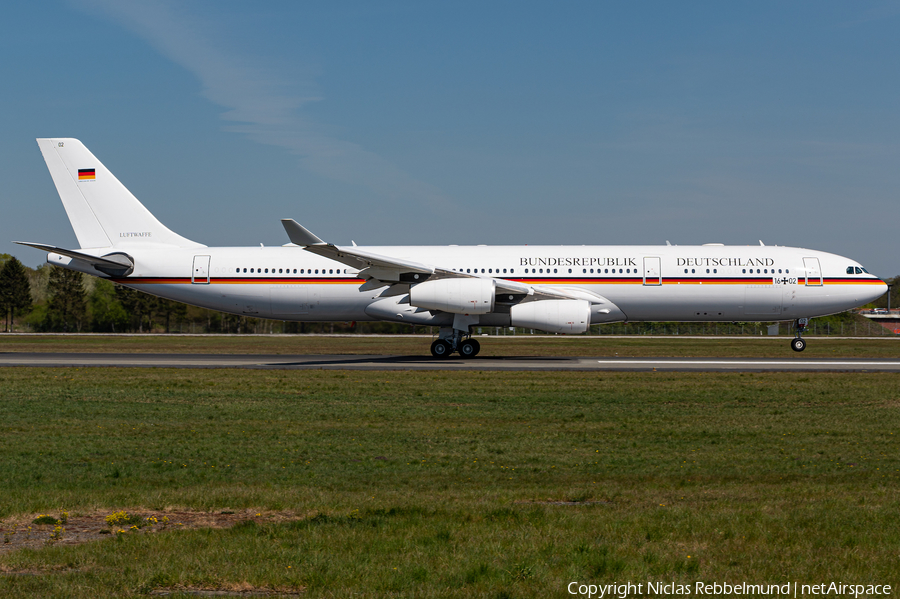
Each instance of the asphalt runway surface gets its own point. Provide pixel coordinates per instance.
(389, 362)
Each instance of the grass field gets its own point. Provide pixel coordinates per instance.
(520, 345)
(447, 484)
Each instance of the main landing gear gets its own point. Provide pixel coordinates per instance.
(798, 343)
(454, 340)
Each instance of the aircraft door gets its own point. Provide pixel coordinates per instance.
(200, 274)
(652, 270)
(813, 272)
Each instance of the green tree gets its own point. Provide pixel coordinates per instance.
(107, 313)
(66, 305)
(170, 308)
(15, 291)
(139, 305)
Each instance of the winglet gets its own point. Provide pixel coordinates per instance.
(299, 234)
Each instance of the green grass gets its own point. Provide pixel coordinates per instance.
(436, 484)
(519, 345)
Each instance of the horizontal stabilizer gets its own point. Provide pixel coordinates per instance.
(118, 264)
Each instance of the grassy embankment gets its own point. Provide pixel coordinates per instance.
(521, 345)
(443, 483)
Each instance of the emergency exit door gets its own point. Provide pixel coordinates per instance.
(200, 274)
(652, 271)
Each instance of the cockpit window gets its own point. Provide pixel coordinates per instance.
(859, 271)
(849, 270)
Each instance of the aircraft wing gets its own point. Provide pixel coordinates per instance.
(381, 271)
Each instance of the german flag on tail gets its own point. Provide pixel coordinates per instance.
(86, 174)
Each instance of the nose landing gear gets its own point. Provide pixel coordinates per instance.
(798, 343)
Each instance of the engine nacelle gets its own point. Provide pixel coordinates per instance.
(554, 316)
(457, 296)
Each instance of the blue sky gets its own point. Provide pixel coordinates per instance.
(499, 123)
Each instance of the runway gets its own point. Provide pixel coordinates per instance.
(391, 362)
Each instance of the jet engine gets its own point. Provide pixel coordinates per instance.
(554, 316)
(457, 296)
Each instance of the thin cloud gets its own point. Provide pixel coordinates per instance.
(263, 105)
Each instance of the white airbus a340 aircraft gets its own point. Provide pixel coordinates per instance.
(558, 289)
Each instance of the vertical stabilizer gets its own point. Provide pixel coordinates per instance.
(102, 211)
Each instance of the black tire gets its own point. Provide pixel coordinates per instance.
(440, 349)
(468, 348)
(477, 346)
(798, 344)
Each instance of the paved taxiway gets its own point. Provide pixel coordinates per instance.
(388, 362)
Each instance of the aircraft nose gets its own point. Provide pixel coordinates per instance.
(878, 290)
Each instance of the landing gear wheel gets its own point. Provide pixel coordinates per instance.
(469, 348)
(798, 344)
(441, 349)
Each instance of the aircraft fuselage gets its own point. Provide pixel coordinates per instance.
(647, 283)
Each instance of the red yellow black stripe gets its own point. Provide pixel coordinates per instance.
(849, 281)
(528, 281)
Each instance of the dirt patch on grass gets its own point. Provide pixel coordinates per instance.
(21, 532)
(561, 502)
(239, 590)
